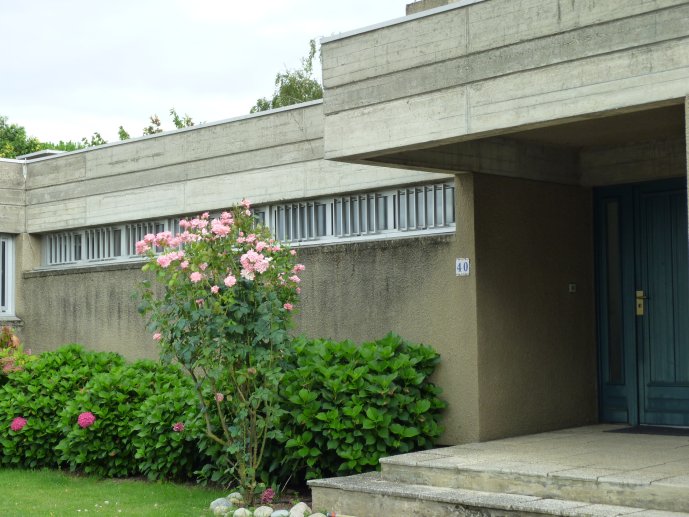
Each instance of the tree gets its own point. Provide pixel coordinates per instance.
(293, 86)
(14, 141)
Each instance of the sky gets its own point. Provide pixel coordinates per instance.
(72, 67)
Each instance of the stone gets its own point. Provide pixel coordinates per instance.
(241, 512)
(220, 506)
(280, 513)
(319, 514)
(235, 498)
(263, 511)
(300, 510)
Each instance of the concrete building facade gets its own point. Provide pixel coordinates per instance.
(542, 142)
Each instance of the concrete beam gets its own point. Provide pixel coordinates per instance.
(500, 156)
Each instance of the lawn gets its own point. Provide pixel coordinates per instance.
(48, 492)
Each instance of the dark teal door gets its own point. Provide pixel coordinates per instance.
(643, 303)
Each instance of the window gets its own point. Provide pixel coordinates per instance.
(409, 211)
(6, 275)
(103, 244)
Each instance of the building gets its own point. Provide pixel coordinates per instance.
(504, 180)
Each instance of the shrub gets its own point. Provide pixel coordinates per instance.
(349, 405)
(227, 294)
(164, 448)
(38, 393)
(106, 447)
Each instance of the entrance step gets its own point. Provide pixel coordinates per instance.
(542, 480)
(370, 495)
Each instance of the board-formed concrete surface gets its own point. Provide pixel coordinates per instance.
(580, 471)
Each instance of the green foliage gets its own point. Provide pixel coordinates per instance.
(38, 393)
(14, 140)
(96, 139)
(180, 122)
(122, 134)
(223, 315)
(12, 355)
(161, 452)
(107, 448)
(293, 86)
(349, 405)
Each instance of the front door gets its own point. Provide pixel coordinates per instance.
(643, 303)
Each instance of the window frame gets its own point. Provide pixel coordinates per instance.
(7, 275)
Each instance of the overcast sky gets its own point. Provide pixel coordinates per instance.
(72, 67)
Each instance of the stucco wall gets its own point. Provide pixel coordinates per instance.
(92, 306)
(350, 291)
(536, 341)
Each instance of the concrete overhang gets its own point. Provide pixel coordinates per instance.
(547, 75)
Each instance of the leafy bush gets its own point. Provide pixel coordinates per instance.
(227, 294)
(349, 405)
(164, 449)
(38, 393)
(105, 447)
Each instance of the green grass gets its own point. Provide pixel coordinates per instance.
(48, 492)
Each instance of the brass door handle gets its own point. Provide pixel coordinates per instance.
(640, 305)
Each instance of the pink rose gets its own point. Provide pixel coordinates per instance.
(215, 289)
(86, 419)
(178, 427)
(195, 277)
(157, 336)
(230, 280)
(219, 397)
(18, 424)
(288, 306)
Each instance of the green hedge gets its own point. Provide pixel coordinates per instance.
(349, 405)
(346, 406)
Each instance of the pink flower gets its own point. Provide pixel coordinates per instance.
(199, 302)
(249, 275)
(215, 289)
(230, 280)
(219, 229)
(18, 424)
(267, 496)
(203, 266)
(184, 264)
(295, 279)
(246, 203)
(184, 224)
(205, 215)
(196, 277)
(157, 336)
(142, 247)
(86, 419)
(178, 427)
(288, 306)
(247, 212)
(219, 397)
(298, 290)
(164, 260)
(149, 238)
(299, 267)
(292, 252)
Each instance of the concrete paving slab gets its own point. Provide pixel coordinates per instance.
(601, 510)
(584, 474)
(551, 506)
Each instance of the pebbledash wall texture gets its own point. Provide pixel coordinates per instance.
(477, 129)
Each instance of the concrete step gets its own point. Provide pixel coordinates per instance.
(370, 495)
(542, 480)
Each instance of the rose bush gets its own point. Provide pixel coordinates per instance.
(227, 291)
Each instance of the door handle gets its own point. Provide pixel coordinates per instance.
(640, 304)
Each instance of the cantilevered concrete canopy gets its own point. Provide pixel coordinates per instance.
(603, 73)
